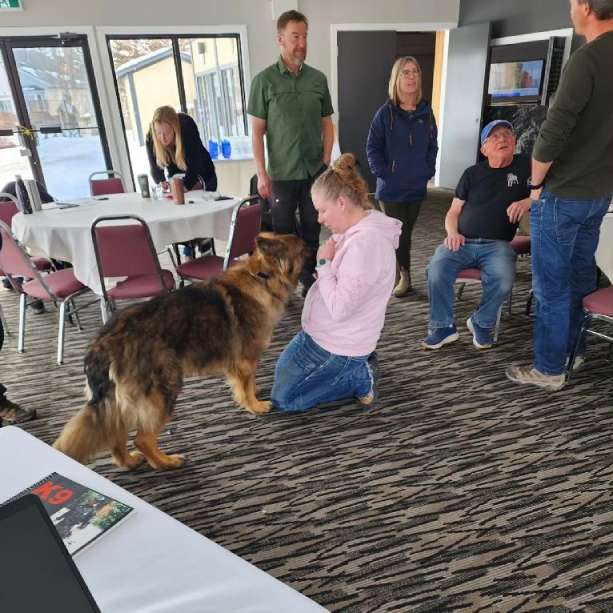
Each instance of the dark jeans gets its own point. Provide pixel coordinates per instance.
(564, 237)
(407, 213)
(287, 196)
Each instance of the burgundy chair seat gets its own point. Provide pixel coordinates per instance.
(470, 274)
(62, 283)
(600, 302)
(202, 268)
(141, 286)
(521, 245)
(102, 187)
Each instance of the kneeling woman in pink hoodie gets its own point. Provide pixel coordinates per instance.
(331, 358)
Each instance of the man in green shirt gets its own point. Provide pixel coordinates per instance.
(290, 103)
(572, 185)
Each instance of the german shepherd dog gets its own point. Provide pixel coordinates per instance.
(136, 365)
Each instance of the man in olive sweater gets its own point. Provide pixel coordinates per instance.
(572, 184)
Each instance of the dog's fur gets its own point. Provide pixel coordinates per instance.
(136, 365)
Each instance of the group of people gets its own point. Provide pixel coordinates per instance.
(348, 280)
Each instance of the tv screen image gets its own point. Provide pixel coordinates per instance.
(515, 80)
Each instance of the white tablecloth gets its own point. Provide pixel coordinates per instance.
(604, 253)
(150, 563)
(64, 234)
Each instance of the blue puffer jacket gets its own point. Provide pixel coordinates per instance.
(401, 150)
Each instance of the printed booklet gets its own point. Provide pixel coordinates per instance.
(80, 515)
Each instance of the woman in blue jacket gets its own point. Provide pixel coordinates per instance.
(401, 150)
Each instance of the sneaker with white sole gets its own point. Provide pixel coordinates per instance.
(531, 376)
(482, 337)
(438, 337)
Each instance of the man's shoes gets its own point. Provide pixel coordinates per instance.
(482, 337)
(440, 336)
(37, 307)
(531, 376)
(403, 287)
(373, 365)
(11, 413)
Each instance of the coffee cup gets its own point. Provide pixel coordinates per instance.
(177, 190)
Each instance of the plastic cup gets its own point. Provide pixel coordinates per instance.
(177, 190)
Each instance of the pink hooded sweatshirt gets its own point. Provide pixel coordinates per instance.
(344, 310)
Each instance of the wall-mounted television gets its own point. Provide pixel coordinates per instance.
(515, 82)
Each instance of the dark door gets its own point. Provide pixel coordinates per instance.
(365, 60)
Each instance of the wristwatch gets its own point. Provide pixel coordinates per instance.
(531, 186)
(322, 262)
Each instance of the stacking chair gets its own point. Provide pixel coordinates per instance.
(60, 287)
(112, 183)
(596, 306)
(245, 226)
(127, 250)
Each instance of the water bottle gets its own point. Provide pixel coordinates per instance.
(213, 149)
(226, 148)
(22, 196)
(143, 183)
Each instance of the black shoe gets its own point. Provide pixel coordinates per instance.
(37, 307)
(6, 284)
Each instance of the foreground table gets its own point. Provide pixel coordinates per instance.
(150, 563)
(64, 234)
(604, 253)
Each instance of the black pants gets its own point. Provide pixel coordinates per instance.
(287, 196)
(407, 213)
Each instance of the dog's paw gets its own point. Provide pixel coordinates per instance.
(174, 460)
(260, 408)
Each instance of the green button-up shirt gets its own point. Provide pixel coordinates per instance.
(292, 105)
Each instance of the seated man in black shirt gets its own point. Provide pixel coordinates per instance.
(490, 199)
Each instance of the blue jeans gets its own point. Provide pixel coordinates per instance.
(564, 237)
(496, 261)
(307, 375)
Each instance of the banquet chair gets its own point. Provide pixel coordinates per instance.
(244, 227)
(8, 209)
(596, 306)
(127, 250)
(111, 184)
(60, 287)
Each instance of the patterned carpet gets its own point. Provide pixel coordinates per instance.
(459, 492)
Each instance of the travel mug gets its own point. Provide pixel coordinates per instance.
(143, 183)
(177, 191)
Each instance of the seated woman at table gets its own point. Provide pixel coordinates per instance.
(173, 143)
(332, 357)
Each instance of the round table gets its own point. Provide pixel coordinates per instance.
(65, 234)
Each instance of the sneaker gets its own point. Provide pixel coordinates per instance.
(440, 336)
(12, 413)
(372, 396)
(578, 364)
(482, 337)
(529, 375)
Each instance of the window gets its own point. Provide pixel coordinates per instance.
(198, 75)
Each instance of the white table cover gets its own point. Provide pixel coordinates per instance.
(604, 253)
(150, 563)
(65, 234)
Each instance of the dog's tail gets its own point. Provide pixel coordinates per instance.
(93, 428)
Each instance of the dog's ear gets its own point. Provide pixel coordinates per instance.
(270, 246)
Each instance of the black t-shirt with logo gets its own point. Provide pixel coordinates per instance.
(487, 193)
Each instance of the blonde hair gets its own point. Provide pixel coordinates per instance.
(343, 179)
(164, 156)
(392, 88)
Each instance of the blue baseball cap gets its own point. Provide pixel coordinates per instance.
(487, 130)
